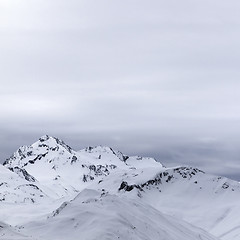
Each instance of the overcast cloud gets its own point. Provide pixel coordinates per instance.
(153, 78)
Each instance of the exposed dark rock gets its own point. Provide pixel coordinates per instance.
(87, 178)
(44, 138)
(225, 185)
(23, 173)
(39, 157)
(3, 183)
(124, 186)
(74, 159)
(57, 211)
(166, 176)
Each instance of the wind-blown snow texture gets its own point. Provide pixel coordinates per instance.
(49, 191)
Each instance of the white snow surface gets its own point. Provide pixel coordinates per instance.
(105, 194)
(92, 215)
(9, 233)
(15, 189)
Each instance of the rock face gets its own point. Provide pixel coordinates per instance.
(47, 174)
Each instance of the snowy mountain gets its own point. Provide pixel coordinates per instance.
(56, 166)
(101, 193)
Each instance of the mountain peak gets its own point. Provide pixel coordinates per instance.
(49, 141)
(30, 154)
(44, 138)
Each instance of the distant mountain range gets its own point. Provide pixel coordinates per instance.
(50, 191)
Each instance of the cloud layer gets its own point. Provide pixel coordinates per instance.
(157, 78)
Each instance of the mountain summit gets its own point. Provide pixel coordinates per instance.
(55, 165)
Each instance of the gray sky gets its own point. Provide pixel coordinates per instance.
(153, 78)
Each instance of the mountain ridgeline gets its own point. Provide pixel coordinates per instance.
(48, 184)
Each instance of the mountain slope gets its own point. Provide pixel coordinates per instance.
(207, 201)
(9, 233)
(92, 215)
(16, 189)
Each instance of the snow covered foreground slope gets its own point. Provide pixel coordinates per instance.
(92, 215)
(60, 174)
(9, 233)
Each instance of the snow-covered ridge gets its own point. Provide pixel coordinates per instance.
(51, 178)
(63, 171)
(16, 189)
